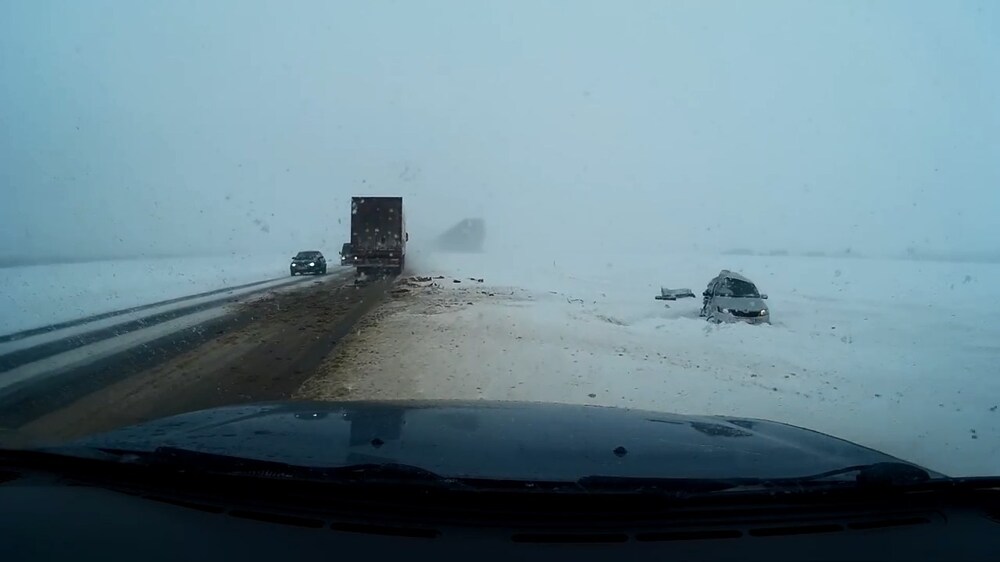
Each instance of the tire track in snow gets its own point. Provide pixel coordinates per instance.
(21, 357)
(14, 336)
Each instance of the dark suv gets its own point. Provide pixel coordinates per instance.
(347, 254)
(309, 261)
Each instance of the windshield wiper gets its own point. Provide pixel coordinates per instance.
(198, 462)
(879, 474)
(876, 477)
(882, 476)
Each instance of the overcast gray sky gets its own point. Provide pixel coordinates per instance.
(211, 126)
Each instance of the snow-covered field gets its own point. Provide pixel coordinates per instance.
(34, 296)
(900, 356)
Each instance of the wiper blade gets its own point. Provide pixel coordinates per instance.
(189, 461)
(887, 475)
(882, 474)
(678, 486)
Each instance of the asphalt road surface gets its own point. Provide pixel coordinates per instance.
(248, 344)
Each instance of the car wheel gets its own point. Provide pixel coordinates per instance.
(293, 273)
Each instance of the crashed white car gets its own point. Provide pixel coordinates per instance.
(730, 297)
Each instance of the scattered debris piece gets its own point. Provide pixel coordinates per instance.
(673, 294)
(456, 280)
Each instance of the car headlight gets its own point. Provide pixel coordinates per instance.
(723, 310)
(312, 264)
(763, 313)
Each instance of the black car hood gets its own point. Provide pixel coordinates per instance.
(502, 440)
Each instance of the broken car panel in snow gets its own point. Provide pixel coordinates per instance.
(674, 294)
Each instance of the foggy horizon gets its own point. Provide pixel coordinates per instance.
(189, 128)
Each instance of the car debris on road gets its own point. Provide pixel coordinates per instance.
(673, 294)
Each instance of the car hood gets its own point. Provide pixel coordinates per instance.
(499, 440)
(746, 304)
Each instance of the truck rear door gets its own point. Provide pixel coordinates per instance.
(377, 225)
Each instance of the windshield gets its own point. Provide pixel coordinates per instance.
(536, 202)
(737, 288)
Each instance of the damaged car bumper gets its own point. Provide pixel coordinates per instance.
(746, 316)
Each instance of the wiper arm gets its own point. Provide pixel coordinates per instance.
(678, 486)
(881, 474)
(887, 475)
(189, 461)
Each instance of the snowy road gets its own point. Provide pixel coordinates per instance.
(263, 351)
(42, 295)
(38, 361)
(92, 328)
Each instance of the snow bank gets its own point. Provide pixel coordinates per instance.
(38, 295)
(899, 356)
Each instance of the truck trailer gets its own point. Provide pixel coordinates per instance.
(378, 236)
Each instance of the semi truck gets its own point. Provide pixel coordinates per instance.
(378, 236)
